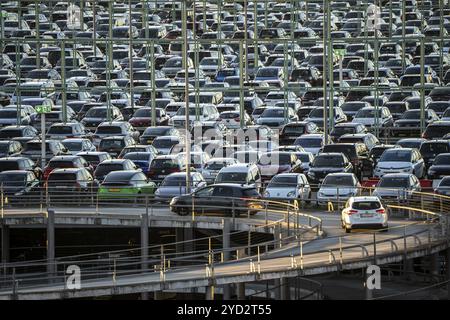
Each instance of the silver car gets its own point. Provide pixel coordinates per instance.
(174, 185)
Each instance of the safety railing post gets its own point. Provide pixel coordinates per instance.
(374, 248)
(233, 210)
(340, 250)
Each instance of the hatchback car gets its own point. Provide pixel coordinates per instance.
(400, 160)
(364, 213)
(125, 185)
(338, 187)
(175, 185)
(225, 198)
(289, 186)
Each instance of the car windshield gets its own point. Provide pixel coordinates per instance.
(346, 181)
(137, 156)
(442, 160)
(366, 205)
(192, 111)
(112, 143)
(328, 161)
(352, 106)
(106, 168)
(164, 163)
(8, 114)
(62, 177)
(340, 131)
(60, 130)
(12, 179)
(415, 114)
(283, 182)
(396, 155)
(232, 177)
(393, 182)
(73, 145)
(164, 143)
(444, 183)
(214, 165)
(368, 113)
(435, 148)
(156, 131)
(294, 129)
(273, 113)
(176, 181)
(267, 72)
(96, 113)
(309, 143)
(109, 130)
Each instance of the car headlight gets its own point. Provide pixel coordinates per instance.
(266, 194)
(321, 194)
(173, 201)
(311, 173)
(291, 194)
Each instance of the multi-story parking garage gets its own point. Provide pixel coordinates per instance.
(251, 105)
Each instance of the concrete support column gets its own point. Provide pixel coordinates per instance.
(285, 289)
(434, 263)
(51, 242)
(5, 243)
(189, 236)
(226, 253)
(144, 249)
(447, 260)
(179, 238)
(277, 289)
(408, 267)
(241, 290)
(209, 293)
(277, 235)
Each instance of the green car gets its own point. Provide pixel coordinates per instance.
(126, 184)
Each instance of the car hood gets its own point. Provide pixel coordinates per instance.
(343, 190)
(279, 192)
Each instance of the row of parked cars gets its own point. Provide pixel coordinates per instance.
(116, 128)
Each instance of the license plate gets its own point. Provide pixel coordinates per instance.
(366, 215)
(113, 190)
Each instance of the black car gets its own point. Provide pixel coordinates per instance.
(443, 186)
(68, 184)
(437, 130)
(107, 166)
(326, 163)
(19, 163)
(163, 165)
(440, 167)
(152, 132)
(19, 184)
(430, 149)
(358, 155)
(226, 198)
(291, 131)
(115, 144)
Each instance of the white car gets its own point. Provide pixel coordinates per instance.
(338, 187)
(289, 185)
(400, 160)
(364, 212)
(372, 117)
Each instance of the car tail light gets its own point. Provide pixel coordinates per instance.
(382, 211)
(352, 211)
(237, 119)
